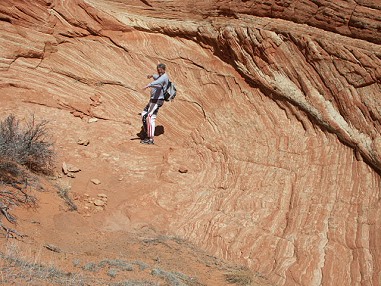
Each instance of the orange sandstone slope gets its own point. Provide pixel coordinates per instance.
(277, 123)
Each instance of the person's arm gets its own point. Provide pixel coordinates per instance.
(155, 77)
(156, 83)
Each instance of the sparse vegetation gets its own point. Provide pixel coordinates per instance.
(135, 283)
(91, 266)
(142, 265)
(21, 147)
(112, 272)
(63, 192)
(29, 146)
(21, 270)
(241, 278)
(14, 268)
(175, 278)
(116, 264)
(120, 264)
(12, 175)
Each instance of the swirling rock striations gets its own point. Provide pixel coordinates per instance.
(277, 121)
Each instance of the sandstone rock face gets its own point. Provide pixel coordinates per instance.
(358, 19)
(277, 121)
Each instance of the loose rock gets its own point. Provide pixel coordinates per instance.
(99, 203)
(72, 169)
(95, 181)
(52, 247)
(83, 142)
(64, 168)
(183, 170)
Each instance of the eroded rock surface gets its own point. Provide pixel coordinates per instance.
(277, 122)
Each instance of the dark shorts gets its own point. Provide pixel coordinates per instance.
(159, 103)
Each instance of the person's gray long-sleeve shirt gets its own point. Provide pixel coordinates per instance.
(159, 85)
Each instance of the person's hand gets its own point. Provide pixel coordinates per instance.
(149, 76)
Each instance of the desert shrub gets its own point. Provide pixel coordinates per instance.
(21, 148)
(91, 266)
(112, 272)
(142, 265)
(14, 176)
(120, 264)
(16, 269)
(135, 283)
(175, 278)
(27, 145)
(241, 278)
(63, 192)
(11, 174)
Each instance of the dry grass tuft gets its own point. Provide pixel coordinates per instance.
(28, 145)
(240, 277)
(20, 270)
(64, 193)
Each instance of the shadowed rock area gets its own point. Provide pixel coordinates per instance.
(276, 122)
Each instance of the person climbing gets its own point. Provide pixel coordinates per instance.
(149, 114)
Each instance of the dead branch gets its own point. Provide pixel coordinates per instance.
(4, 210)
(10, 232)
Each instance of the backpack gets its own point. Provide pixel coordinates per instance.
(170, 92)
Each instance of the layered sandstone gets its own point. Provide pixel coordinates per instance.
(277, 122)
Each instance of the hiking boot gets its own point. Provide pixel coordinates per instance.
(147, 141)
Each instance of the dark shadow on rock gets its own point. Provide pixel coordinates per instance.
(159, 130)
(142, 134)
